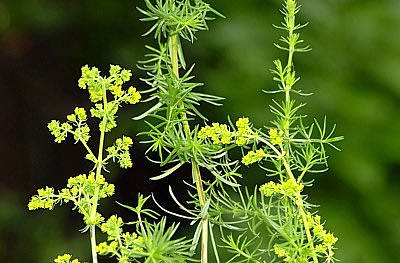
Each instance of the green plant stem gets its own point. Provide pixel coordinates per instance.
(93, 213)
(93, 243)
(195, 167)
(287, 88)
(204, 230)
(86, 147)
(302, 210)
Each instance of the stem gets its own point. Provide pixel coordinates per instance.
(195, 167)
(86, 147)
(291, 7)
(93, 243)
(204, 231)
(93, 213)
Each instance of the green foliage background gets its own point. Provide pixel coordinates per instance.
(354, 71)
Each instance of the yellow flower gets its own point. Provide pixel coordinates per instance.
(268, 189)
(71, 117)
(252, 157)
(291, 188)
(276, 136)
(80, 113)
(242, 123)
(330, 239)
(319, 231)
(66, 258)
(116, 90)
(218, 133)
(280, 251)
(102, 248)
(134, 96)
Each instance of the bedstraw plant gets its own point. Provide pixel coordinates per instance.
(232, 222)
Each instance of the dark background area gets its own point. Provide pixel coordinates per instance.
(353, 70)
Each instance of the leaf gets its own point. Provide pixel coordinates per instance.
(149, 111)
(167, 172)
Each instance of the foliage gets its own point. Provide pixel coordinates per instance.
(270, 223)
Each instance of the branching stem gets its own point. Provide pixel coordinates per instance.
(290, 22)
(93, 213)
(173, 44)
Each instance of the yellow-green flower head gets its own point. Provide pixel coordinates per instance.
(253, 157)
(269, 188)
(243, 131)
(44, 199)
(59, 131)
(319, 231)
(132, 240)
(320, 248)
(116, 90)
(291, 188)
(66, 258)
(288, 188)
(133, 96)
(80, 113)
(120, 151)
(242, 124)
(276, 136)
(280, 251)
(126, 142)
(71, 117)
(102, 249)
(203, 132)
(225, 134)
(218, 133)
(113, 227)
(82, 133)
(330, 239)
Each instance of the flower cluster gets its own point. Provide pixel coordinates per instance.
(132, 96)
(326, 240)
(323, 244)
(119, 242)
(120, 151)
(75, 120)
(106, 112)
(84, 184)
(289, 188)
(253, 156)
(218, 133)
(98, 86)
(276, 136)
(80, 190)
(243, 131)
(44, 199)
(107, 115)
(113, 227)
(282, 252)
(66, 258)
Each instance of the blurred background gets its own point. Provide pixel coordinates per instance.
(353, 70)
